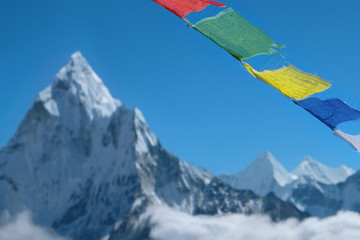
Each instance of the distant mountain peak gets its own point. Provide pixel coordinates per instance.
(267, 159)
(309, 163)
(262, 175)
(319, 172)
(309, 159)
(348, 170)
(265, 156)
(78, 84)
(266, 162)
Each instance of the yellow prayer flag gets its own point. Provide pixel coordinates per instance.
(291, 81)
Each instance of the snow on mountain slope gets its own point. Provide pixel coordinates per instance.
(88, 166)
(328, 199)
(71, 162)
(319, 172)
(262, 176)
(77, 85)
(265, 174)
(312, 187)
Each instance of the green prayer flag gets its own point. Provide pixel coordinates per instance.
(232, 32)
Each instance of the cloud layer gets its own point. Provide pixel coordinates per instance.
(175, 225)
(22, 228)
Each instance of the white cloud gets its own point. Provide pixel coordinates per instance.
(22, 228)
(175, 225)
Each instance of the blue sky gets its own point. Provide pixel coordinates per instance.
(197, 99)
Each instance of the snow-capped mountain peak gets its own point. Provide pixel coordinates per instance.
(319, 172)
(263, 175)
(77, 84)
(347, 170)
(312, 187)
(88, 167)
(265, 163)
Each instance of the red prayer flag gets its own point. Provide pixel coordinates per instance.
(184, 7)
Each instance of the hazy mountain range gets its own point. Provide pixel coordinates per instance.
(313, 187)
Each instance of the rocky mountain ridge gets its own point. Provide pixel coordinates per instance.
(87, 166)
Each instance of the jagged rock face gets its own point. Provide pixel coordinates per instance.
(88, 166)
(221, 198)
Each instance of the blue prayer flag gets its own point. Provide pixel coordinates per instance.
(331, 112)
